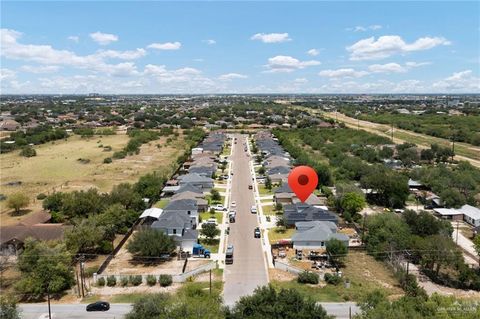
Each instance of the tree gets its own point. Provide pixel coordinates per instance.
(150, 186)
(85, 237)
(18, 201)
(45, 267)
(215, 195)
(425, 224)
(451, 197)
(266, 302)
(409, 156)
(352, 203)
(336, 249)
(261, 170)
(210, 231)
(28, 151)
(386, 232)
(126, 195)
(8, 308)
(268, 183)
(150, 243)
(427, 155)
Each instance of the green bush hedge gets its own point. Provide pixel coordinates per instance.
(124, 281)
(111, 281)
(135, 280)
(101, 282)
(151, 280)
(165, 280)
(332, 279)
(308, 277)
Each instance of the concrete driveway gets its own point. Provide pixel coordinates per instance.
(249, 268)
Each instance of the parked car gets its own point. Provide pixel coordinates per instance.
(233, 204)
(253, 209)
(219, 207)
(250, 187)
(212, 221)
(257, 233)
(98, 306)
(282, 253)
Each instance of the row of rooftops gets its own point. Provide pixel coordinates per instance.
(188, 191)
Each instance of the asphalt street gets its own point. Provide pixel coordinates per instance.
(340, 310)
(248, 269)
(72, 311)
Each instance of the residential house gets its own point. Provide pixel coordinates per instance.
(302, 212)
(471, 215)
(202, 203)
(202, 182)
(180, 227)
(188, 206)
(189, 188)
(315, 235)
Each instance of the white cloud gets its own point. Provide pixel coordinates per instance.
(463, 81)
(232, 76)
(103, 38)
(7, 74)
(74, 38)
(45, 54)
(283, 63)
(123, 55)
(387, 68)
(271, 37)
(313, 52)
(300, 81)
(360, 28)
(209, 41)
(342, 73)
(40, 68)
(165, 46)
(416, 64)
(385, 46)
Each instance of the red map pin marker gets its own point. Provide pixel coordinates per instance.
(303, 180)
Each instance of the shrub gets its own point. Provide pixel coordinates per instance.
(165, 280)
(332, 279)
(119, 155)
(107, 160)
(111, 281)
(28, 151)
(308, 277)
(151, 280)
(135, 280)
(124, 281)
(101, 282)
(41, 196)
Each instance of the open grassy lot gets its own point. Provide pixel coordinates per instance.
(365, 275)
(268, 210)
(275, 235)
(162, 203)
(57, 167)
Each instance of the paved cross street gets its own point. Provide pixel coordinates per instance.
(248, 269)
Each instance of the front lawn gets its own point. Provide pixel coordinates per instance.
(162, 203)
(275, 234)
(206, 215)
(268, 210)
(210, 244)
(263, 191)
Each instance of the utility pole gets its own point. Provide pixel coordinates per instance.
(210, 281)
(392, 133)
(456, 239)
(81, 275)
(48, 301)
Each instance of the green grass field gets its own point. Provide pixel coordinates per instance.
(263, 191)
(206, 215)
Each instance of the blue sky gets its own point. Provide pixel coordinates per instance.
(240, 47)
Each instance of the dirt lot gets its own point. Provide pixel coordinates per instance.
(123, 264)
(57, 168)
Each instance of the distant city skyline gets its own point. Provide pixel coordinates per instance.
(239, 47)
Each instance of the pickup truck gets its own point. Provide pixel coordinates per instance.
(219, 207)
(212, 221)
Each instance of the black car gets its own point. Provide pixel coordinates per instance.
(98, 306)
(256, 233)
